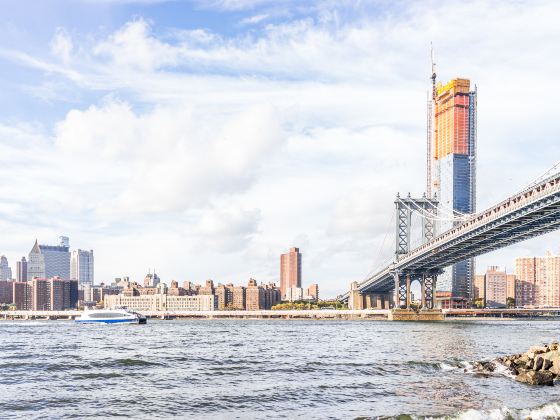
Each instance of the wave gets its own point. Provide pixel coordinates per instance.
(135, 362)
(446, 365)
(548, 411)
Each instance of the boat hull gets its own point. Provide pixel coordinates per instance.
(107, 321)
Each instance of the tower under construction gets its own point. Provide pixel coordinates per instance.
(451, 167)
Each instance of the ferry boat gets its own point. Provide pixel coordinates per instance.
(111, 316)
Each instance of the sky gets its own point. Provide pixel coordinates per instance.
(204, 138)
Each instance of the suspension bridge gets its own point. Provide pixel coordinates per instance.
(531, 212)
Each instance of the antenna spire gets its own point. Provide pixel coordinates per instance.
(434, 91)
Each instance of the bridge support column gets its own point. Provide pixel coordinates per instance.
(423, 293)
(429, 290)
(408, 300)
(396, 302)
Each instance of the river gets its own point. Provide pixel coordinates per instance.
(246, 369)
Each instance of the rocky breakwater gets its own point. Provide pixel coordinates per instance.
(538, 366)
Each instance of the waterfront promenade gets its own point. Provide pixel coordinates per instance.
(373, 314)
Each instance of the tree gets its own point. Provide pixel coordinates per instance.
(510, 302)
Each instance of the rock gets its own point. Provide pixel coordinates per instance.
(532, 377)
(489, 366)
(547, 364)
(523, 358)
(554, 369)
(538, 363)
(530, 364)
(538, 349)
(508, 363)
(554, 346)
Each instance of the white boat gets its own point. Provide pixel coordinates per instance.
(111, 316)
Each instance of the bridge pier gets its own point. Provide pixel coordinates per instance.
(428, 290)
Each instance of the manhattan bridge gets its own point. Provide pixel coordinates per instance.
(531, 212)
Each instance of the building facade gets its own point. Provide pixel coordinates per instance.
(57, 259)
(539, 280)
(145, 303)
(81, 267)
(496, 288)
(22, 293)
(21, 270)
(255, 296)
(5, 292)
(290, 270)
(452, 168)
(36, 263)
(5, 270)
(54, 294)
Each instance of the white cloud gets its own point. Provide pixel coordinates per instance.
(252, 20)
(242, 144)
(61, 45)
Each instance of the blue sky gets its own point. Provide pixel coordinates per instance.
(204, 138)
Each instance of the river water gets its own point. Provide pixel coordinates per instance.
(229, 369)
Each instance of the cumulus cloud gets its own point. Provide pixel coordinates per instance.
(300, 131)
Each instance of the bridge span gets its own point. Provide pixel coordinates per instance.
(529, 213)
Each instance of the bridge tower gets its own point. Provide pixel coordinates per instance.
(427, 209)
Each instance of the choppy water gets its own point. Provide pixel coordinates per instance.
(266, 369)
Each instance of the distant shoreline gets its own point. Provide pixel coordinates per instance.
(314, 314)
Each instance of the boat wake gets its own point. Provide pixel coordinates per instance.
(544, 412)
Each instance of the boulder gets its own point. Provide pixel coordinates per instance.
(554, 346)
(533, 377)
(522, 359)
(547, 364)
(554, 369)
(538, 349)
(530, 364)
(538, 363)
(489, 366)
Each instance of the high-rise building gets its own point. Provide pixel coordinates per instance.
(5, 270)
(57, 259)
(22, 295)
(40, 295)
(224, 293)
(255, 296)
(81, 267)
(539, 279)
(313, 291)
(21, 270)
(271, 295)
(5, 292)
(451, 167)
(36, 263)
(239, 298)
(495, 287)
(207, 289)
(290, 270)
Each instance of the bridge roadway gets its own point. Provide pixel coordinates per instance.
(532, 212)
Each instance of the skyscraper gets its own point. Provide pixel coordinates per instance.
(290, 270)
(36, 263)
(57, 259)
(5, 270)
(81, 267)
(21, 270)
(539, 279)
(451, 167)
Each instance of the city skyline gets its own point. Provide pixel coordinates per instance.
(335, 127)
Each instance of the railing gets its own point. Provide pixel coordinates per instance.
(548, 186)
(551, 185)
